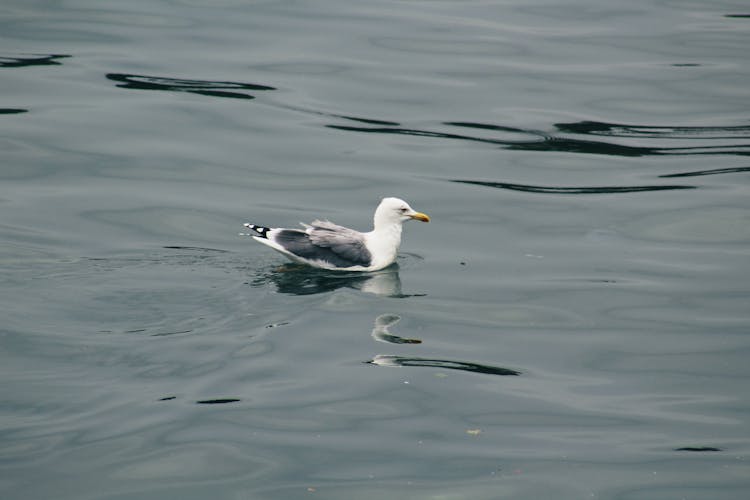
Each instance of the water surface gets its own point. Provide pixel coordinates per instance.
(573, 323)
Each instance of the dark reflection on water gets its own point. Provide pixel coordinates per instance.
(217, 401)
(209, 88)
(31, 60)
(359, 119)
(530, 140)
(544, 141)
(656, 132)
(298, 279)
(417, 132)
(384, 360)
(167, 334)
(203, 87)
(364, 120)
(12, 111)
(714, 171)
(698, 448)
(571, 190)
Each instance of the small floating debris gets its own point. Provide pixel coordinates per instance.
(276, 325)
(216, 401)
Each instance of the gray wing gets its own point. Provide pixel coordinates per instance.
(324, 241)
(344, 242)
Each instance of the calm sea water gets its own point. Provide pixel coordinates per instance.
(572, 324)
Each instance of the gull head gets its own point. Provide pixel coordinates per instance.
(396, 211)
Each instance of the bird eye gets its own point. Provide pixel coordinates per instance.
(404, 210)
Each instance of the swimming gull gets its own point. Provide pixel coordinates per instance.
(325, 245)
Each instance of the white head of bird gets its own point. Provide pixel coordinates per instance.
(394, 211)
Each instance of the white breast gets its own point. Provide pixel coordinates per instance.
(383, 245)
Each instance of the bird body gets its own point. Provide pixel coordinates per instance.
(325, 245)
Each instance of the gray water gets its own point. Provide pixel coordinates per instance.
(573, 323)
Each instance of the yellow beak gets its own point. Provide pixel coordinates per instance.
(421, 217)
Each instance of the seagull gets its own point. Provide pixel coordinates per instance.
(325, 245)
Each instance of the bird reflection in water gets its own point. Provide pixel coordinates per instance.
(381, 334)
(296, 279)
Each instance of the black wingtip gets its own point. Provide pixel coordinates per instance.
(258, 230)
